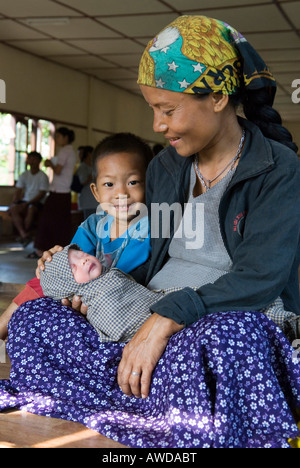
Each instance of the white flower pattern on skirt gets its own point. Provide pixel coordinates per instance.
(227, 381)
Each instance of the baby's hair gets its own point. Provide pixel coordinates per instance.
(121, 143)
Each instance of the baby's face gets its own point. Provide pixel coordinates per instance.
(84, 267)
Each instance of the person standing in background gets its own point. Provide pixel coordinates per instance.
(55, 223)
(86, 201)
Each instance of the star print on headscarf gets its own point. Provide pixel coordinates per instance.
(160, 83)
(173, 66)
(170, 63)
(184, 84)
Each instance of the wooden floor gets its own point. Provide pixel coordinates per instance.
(20, 429)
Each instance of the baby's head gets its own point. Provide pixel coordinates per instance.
(84, 267)
(67, 269)
(120, 162)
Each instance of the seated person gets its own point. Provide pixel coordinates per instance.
(117, 305)
(27, 202)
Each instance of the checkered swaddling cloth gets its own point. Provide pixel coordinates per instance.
(117, 304)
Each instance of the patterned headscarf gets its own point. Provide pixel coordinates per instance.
(117, 305)
(196, 54)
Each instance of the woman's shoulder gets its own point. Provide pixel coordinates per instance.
(284, 156)
(270, 151)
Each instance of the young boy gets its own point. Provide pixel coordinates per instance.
(117, 305)
(119, 234)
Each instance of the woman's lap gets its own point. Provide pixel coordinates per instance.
(227, 381)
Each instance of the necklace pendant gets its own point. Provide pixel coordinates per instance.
(206, 182)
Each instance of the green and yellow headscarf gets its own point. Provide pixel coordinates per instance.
(196, 54)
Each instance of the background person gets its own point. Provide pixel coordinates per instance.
(86, 201)
(32, 187)
(55, 223)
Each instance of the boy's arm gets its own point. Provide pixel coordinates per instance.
(31, 291)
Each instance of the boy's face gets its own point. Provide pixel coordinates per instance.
(120, 185)
(84, 267)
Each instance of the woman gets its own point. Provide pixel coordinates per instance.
(210, 371)
(196, 111)
(55, 224)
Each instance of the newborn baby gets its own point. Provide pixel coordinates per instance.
(117, 304)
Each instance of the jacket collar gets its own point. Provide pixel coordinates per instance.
(257, 155)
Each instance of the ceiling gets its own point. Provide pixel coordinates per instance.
(105, 38)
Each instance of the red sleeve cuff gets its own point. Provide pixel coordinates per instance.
(31, 291)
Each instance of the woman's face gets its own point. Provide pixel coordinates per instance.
(190, 124)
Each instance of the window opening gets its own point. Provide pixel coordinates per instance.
(7, 148)
(19, 135)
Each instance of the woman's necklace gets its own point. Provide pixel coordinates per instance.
(207, 182)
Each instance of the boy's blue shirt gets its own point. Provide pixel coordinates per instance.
(126, 253)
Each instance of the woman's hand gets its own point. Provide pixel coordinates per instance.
(142, 353)
(46, 257)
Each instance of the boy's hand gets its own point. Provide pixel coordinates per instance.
(76, 304)
(46, 257)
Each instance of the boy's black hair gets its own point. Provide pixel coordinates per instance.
(121, 143)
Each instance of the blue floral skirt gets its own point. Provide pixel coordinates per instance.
(230, 380)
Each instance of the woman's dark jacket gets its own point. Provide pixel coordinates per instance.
(260, 224)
